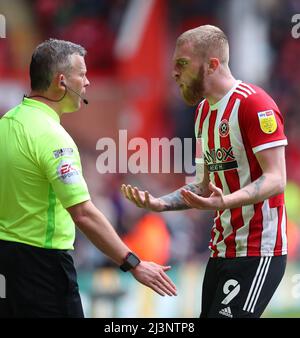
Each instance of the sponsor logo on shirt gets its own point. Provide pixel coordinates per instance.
(62, 152)
(220, 159)
(267, 121)
(67, 172)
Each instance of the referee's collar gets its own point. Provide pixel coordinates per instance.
(42, 106)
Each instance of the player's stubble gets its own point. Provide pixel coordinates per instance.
(194, 92)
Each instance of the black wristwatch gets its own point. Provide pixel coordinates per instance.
(130, 262)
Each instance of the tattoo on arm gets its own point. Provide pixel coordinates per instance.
(174, 200)
(256, 187)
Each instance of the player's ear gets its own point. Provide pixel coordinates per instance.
(213, 65)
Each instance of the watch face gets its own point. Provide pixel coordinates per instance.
(132, 260)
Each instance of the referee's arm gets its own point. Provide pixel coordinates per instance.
(102, 234)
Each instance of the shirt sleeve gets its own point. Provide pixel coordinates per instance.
(59, 160)
(262, 123)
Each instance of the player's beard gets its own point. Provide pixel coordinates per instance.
(194, 92)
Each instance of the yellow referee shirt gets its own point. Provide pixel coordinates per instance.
(40, 176)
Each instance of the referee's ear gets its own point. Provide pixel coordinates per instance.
(60, 81)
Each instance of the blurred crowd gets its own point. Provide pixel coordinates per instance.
(172, 237)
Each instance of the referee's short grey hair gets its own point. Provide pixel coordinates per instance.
(207, 41)
(50, 57)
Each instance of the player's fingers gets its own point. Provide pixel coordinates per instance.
(185, 199)
(186, 202)
(123, 189)
(193, 198)
(137, 196)
(127, 190)
(147, 200)
(130, 194)
(215, 189)
(191, 195)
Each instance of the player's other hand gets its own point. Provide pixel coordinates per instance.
(153, 275)
(214, 202)
(142, 199)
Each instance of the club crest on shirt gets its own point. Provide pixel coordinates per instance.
(224, 128)
(267, 121)
(67, 172)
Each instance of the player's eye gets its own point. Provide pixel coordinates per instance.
(182, 63)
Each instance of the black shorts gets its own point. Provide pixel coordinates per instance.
(38, 282)
(240, 287)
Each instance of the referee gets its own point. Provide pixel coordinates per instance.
(43, 193)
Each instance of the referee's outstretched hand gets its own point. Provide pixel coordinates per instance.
(153, 275)
(142, 199)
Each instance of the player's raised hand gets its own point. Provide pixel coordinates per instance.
(153, 275)
(142, 199)
(214, 202)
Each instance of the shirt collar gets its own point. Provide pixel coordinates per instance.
(225, 97)
(41, 106)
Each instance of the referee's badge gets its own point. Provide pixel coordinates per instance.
(267, 121)
(67, 172)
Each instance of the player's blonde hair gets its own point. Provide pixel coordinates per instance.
(208, 41)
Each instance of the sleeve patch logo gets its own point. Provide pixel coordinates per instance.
(267, 121)
(62, 152)
(67, 173)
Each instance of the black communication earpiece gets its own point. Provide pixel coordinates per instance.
(62, 82)
(85, 101)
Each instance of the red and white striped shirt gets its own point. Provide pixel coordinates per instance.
(245, 121)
